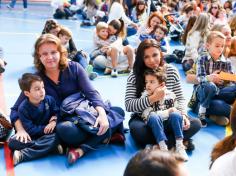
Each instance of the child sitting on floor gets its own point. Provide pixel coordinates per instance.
(163, 114)
(38, 115)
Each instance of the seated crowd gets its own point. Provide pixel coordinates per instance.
(60, 97)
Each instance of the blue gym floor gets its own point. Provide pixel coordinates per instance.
(18, 32)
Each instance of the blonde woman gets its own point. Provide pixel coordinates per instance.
(195, 40)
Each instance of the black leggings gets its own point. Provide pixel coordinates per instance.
(142, 134)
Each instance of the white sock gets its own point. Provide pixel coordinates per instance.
(179, 142)
(163, 146)
(202, 110)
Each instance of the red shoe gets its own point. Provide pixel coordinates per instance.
(117, 138)
(73, 156)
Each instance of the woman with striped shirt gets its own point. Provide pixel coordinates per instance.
(149, 56)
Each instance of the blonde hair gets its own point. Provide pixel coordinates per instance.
(101, 25)
(65, 31)
(213, 35)
(201, 25)
(49, 39)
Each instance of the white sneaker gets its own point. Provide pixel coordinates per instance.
(180, 149)
(17, 157)
(60, 149)
(114, 73)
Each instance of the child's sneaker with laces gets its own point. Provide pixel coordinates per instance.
(114, 73)
(17, 157)
(180, 149)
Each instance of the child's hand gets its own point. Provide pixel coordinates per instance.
(105, 49)
(50, 127)
(173, 109)
(214, 77)
(186, 122)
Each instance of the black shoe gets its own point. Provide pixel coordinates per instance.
(189, 145)
(203, 122)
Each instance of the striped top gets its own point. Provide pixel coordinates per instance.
(139, 104)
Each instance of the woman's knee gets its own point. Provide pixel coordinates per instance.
(119, 110)
(66, 126)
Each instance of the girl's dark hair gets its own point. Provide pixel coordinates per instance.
(140, 12)
(189, 26)
(119, 26)
(229, 142)
(49, 25)
(139, 65)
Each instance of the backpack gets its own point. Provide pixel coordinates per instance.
(5, 128)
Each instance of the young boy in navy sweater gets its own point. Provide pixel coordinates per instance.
(38, 115)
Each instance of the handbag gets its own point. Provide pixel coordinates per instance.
(77, 109)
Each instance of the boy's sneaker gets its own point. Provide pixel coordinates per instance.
(60, 149)
(114, 73)
(180, 149)
(219, 120)
(17, 157)
(202, 118)
(73, 156)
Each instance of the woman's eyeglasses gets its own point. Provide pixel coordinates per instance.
(214, 7)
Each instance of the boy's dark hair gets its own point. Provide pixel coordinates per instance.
(149, 162)
(162, 27)
(65, 31)
(27, 79)
(158, 73)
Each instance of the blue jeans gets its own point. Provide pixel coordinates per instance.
(13, 3)
(206, 92)
(142, 134)
(36, 148)
(73, 136)
(223, 99)
(158, 127)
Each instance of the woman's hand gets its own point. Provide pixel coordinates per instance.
(157, 95)
(101, 121)
(22, 136)
(186, 122)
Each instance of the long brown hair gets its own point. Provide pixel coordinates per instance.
(140, 12)
(229, 142)
(119, 26)
(139, 65)
(189, 26)
(46, 39)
